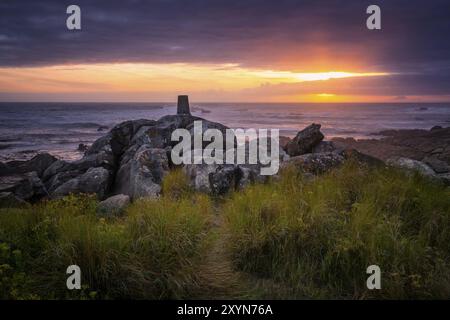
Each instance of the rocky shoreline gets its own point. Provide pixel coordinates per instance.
(132, 159)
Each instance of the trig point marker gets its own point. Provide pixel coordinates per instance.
(183, 105)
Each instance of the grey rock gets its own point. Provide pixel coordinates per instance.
(324, 146)
(27, 186)
(224, 179)
(315, 163)
(93, 181)
(413, 165)
(437, 165)
(38, 163)
(101, 143)
(142, 175)
(199, 176)
(103, 158)
(159, 135)
(122, 134)
(60, 178)
(56, 167)
(305, 141)
(113, 206)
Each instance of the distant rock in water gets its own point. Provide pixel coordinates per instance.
(82, 147)
(436, 128)
(183, 105)
(102, 128)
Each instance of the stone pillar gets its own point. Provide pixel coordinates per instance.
(183, 105)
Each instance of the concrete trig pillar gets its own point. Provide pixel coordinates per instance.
(183, 105)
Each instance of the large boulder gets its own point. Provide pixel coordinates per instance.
(122, 134)
(119, 138)
(324, 146)
(315, 163)
(224, 179)
(412, 165)
(27, 186)
(113, 206)
(437, 165)
(199, 176)
(142, 175)
(219, 179)
(60, 178)
(305, 141)
(38, 164)
(93, 181)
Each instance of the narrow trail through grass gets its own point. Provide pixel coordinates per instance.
(219, 280)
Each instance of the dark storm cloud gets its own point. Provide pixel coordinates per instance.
(244, 31)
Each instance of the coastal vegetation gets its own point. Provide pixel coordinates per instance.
(293, 237)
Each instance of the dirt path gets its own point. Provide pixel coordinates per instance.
(218, 278)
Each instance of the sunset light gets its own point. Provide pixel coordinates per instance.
(227, 157)
(160, 81)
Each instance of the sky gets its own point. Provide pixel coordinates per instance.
(220, 51)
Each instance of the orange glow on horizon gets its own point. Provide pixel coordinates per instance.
(161, 82)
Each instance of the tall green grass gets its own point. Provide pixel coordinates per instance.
(301, 237)
(147, 254)
(317, 237)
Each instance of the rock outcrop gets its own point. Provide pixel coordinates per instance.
(305, 141)
(413, 144)
(133, 158)
(423, 151)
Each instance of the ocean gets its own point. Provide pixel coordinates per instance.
(58, 128)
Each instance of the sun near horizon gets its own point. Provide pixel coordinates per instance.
(160, 82)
